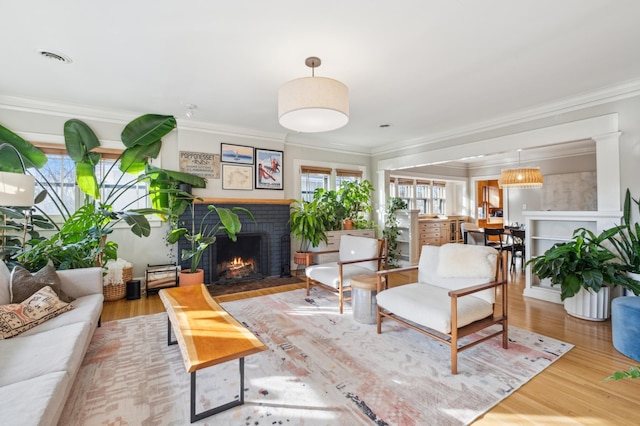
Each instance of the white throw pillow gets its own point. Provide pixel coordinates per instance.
(467, 261)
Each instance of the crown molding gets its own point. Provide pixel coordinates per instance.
(621, 91)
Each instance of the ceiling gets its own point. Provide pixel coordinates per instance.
(426, 68)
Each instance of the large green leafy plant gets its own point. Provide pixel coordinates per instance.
(583, 262)
(308, 221)
(626, 242)
(84, 232)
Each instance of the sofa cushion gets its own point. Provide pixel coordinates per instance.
(26, 357)
(327, 273)
(467, 261)
(40, 307)
(5, 279)
(37, 401)
(430, 306)
(428, 274)
(85, 309)
(354, 248)
(24, 284)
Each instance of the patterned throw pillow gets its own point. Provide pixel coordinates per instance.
(23, 284)
(40, 307)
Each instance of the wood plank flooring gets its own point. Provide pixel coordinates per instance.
(569, 392)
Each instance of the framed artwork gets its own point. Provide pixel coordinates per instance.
(237, 177)
(268, 169)
(236, 153)
(203, 164)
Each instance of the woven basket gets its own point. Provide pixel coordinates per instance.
(117, 291)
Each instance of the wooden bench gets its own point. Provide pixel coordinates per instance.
(207, 335)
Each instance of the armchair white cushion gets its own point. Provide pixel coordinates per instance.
(356, 256)
(446, 304)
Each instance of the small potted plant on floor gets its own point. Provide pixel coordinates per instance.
(308, 225)
(582, 267)
(203, 236)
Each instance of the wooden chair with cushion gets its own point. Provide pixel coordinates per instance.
(455, 296)
(357, 256)
(472, 234)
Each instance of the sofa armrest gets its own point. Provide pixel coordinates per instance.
(81, 282)
(386, 272)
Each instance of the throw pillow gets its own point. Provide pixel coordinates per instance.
(23, 284)
(40, 307)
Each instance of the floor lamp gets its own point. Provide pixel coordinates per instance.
(16, 190)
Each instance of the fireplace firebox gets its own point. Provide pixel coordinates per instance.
(243, 260)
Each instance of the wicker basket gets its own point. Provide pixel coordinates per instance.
(117, 291)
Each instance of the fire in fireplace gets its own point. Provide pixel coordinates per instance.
(243, 260)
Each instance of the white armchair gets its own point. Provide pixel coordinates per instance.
(357, 256)
(454, 297)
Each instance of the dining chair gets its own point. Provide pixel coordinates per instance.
(498, 244)
(518, 248)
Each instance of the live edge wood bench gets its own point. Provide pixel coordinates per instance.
(207, 335)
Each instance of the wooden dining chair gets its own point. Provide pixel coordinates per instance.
(498, 244)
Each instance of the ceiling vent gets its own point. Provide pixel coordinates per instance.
(58, 57)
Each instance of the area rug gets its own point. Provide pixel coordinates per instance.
(321, 368)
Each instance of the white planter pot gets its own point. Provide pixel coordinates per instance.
(588, 305)
(634, 276)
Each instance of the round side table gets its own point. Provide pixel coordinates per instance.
(363, 298)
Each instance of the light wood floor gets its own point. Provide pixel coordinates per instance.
(569, 392)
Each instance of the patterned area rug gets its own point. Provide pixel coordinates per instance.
(321, 368)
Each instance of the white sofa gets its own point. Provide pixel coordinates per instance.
(39, 366)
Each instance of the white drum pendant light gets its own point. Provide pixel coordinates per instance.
(313, 104)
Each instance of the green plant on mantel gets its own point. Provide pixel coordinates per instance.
(82, 238)
(205, 234)
(390, 231)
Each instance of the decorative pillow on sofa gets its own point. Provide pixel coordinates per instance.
(23, 284)
(40, 307)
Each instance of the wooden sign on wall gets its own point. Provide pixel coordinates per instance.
(203, 164)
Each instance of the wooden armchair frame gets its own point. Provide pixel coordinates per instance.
(456, 333)
(382, 265)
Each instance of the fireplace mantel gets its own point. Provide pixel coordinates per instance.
(242, 201)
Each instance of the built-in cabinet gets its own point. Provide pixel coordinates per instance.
(546, 228)
(408, 237)
(437, 231)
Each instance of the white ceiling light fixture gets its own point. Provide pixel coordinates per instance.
(521, 177)
(313, 104)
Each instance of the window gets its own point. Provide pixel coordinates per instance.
(429, 197)
(423, 198)
(59, 175)
(313, 178)
(344, 176)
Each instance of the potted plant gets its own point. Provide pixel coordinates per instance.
(583, 267)
(85, 231)
(390, 231)
(309, 225)
(203, 236)
(356, 198)
(626, 244)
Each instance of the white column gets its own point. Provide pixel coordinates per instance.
(608, 171)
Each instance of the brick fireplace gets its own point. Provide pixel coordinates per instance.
(271, 226)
